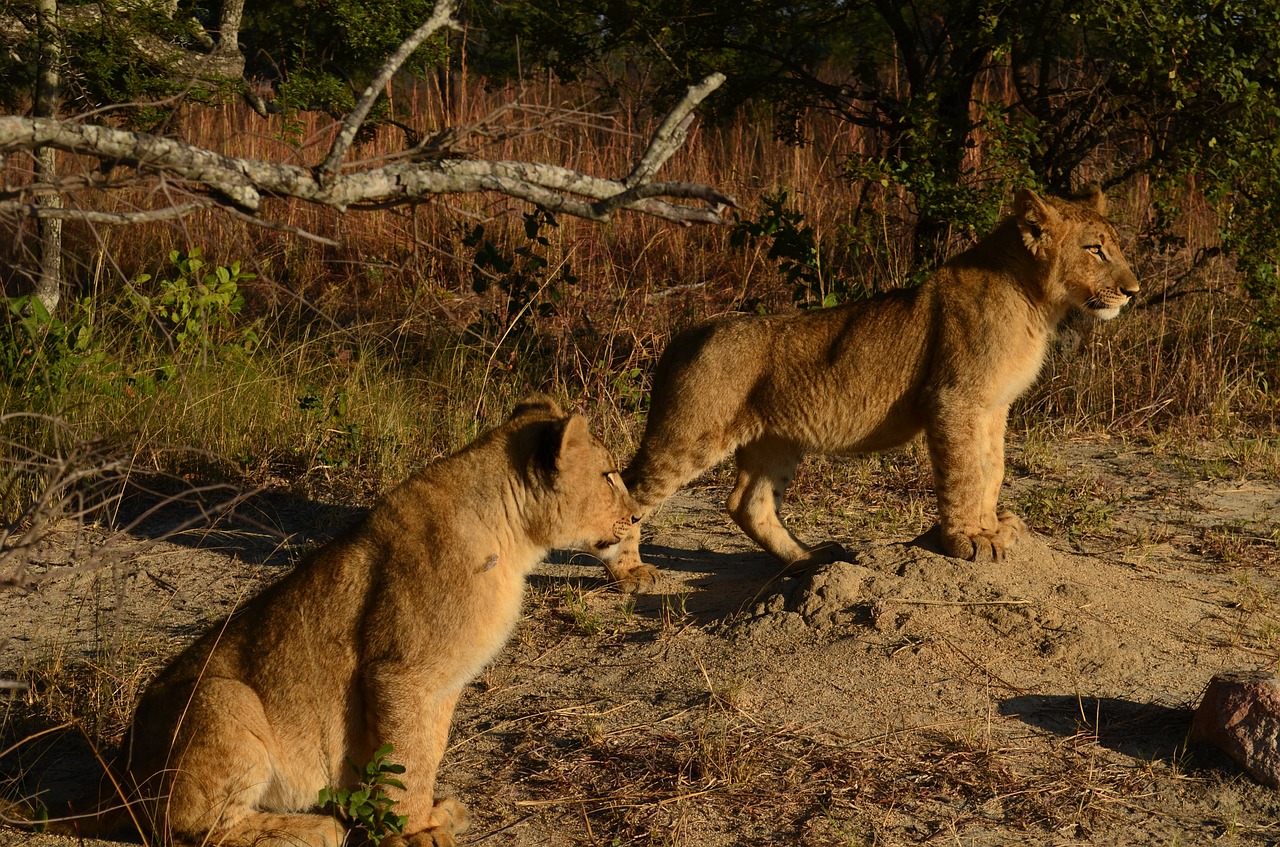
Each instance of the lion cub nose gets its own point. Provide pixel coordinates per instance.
(1130, 286)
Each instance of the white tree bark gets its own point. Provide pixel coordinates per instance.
(241, 183)
(48, 287)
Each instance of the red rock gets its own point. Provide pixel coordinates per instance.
(1240, 714)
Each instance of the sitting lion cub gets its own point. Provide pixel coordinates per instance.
(948, 358)
(368, 642)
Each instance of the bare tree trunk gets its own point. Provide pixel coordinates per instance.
(48, 289)
(229, 27)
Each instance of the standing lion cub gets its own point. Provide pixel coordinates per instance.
(367, 642)
(948, 358)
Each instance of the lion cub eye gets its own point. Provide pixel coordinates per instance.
(1096, 250)
(615, 478)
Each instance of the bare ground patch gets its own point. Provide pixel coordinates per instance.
(898, 698)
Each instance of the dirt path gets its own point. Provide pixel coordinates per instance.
(898, 698)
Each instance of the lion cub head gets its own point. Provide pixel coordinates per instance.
(1086, 269)
(579, 501)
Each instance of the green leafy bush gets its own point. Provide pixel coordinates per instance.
(41, 353)
(800, 256)
(529, 286)
(367, 805)
(195, 306)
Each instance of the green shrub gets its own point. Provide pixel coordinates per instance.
(367, 805)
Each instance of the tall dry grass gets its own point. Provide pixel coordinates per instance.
(389, 320)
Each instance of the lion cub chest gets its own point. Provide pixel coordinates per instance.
(1013, 373)
(447, 596)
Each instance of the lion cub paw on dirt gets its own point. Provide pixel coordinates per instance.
(946, 358)
(367, 642)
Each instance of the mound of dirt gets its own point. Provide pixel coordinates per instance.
(1041, 616)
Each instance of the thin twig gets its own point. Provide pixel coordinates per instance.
(35, 210)
(441, 17)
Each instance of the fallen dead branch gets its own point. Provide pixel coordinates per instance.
(437, 166)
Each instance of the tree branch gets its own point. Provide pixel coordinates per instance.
(672, 132)
(241, 183)
(441, 16)
(35, 210)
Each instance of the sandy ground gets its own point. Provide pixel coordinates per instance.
(901, 697)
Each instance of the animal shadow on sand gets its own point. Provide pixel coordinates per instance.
(1143, 731)
(257, 526)
(54, 763)
(1146, 732)
(707, 586)
(729, 583)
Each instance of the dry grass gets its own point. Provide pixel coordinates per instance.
(391, 319)
(713, 767)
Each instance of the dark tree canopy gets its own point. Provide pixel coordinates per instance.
(139, 58)
(1046, 89)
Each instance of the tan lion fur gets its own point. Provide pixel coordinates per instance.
(946, 358)
(367, 642)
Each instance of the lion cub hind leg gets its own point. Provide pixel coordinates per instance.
(218, 769)
(266, 829)
(765, 470)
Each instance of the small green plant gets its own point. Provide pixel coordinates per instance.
(531, 287)
(574, 601)
(674, 610)
(341, 438)
(40, 817)
(196, 306)
(627, 385)
(367, 805)
(799, 254)
(1081, 507)
(40, 353)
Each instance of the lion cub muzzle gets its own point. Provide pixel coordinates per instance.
(620, 530)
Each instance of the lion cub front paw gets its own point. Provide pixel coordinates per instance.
(985, 546)
(449, 818)
(631, 577)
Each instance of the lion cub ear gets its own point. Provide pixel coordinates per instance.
(561, 443)
(574, 439)
(1035, 217)
(539, 404)
(1095, 199)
